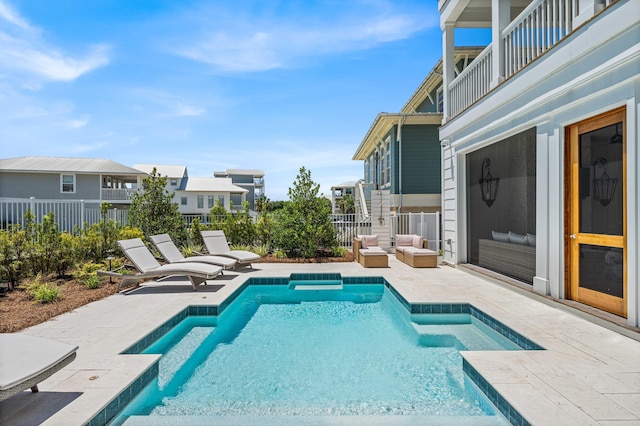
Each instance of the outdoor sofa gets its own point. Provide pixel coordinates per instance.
(411, 250)
(367, 252)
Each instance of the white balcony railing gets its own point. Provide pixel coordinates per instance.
(121, 194)
(539, 27)
(542, 25)
(472, 83)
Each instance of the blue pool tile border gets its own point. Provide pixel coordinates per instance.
(510, 413)
(117, 404)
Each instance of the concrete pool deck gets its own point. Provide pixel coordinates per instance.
(588, 374)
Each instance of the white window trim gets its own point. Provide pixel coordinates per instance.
(75, 183)
(186, 201)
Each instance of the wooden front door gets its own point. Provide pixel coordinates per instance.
(596, 243)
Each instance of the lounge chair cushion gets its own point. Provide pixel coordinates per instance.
(24, 357)
(170, 252)
(216, 243)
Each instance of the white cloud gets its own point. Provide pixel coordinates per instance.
(78, 122)
(25, 54)
(185, 110)
(240, 42)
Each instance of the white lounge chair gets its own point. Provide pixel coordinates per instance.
(27, 360)
(148, 267)
(216, 243)
(171, 254)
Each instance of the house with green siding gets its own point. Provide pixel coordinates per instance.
(401, 151)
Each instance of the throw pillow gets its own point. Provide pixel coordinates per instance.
(531, 239)
(500, 236)
(517, 238)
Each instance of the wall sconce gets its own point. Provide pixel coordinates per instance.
(488, 183)
(604, 187)
(617, 138)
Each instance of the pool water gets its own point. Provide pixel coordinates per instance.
(281, 352)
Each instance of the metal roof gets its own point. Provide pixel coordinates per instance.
(64, 164)
(168, 170)
(208, 184)
(250, 172)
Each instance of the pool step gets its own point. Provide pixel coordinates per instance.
(316, 285)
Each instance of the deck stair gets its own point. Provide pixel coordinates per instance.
(331, 281)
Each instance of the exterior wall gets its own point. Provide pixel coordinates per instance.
(192, 201)
(47, 186)
(420, 160)
(593, 71)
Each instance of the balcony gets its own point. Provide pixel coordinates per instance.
(541, 25)
(120, 194)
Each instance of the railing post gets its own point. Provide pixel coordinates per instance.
(448, 66)
(81, 213)
(500, 17)
(438, 232)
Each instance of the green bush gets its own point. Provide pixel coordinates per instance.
(91, 281)
(339, 251)
(279, 254)
(43, 292)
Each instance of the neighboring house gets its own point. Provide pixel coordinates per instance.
(176, 174)
(56, 178)
(339, 191)
(197, 195)
(401, 151)
(251, 180)
(540, 139)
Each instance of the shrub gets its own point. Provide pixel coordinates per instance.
(87, 269)
(43, 292)
(339, 252)
(189, 250)
(279, 254)
(261, 250)
(91, 281)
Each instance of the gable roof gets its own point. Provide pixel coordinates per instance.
(65, 164)
(168, 170)
(212, 184)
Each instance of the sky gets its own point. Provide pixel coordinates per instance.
(213, 85)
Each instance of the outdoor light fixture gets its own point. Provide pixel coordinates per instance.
(604, 187)
(617, 138)
(488, 183)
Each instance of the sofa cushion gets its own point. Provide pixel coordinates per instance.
(517, 239)
(369, 241)
(404, 240)
(417, 241)
(420, 251)
(500, 236)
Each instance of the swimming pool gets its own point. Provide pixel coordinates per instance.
(322, 351)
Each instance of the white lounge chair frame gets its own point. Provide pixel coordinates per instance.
(171, 254)
(148, 267)
(27, 360)
(217, 245)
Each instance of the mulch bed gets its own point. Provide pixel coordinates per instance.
(18, 311)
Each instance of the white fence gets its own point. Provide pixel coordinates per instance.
(68, 214)
(426, 225)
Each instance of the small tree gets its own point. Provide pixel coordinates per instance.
(154, 212)
(303, 226)
(347, 204)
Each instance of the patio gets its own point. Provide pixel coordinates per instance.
(588, 374)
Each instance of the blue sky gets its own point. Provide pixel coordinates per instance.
(271, 85)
